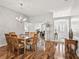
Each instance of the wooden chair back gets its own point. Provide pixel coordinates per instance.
(34, 41)
(17, 45)
(14, 40)
(50, 48)
(49, 45)
(12, 33)
(10, 50)
(32, 34)
(70, 49)
(7, 38)
(9, 43)
(71, 44)
(35, 38)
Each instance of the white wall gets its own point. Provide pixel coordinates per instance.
(75, 8)
(35, 20)
(41, 18)
(62, 13)
(8, 23)
(31, 27)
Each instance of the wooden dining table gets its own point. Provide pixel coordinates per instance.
(26, 41)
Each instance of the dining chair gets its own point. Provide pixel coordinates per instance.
(17, 46)
(12, 33)
(34, 42)
(50, 48)
(31, 34)
(9, 46)
(70, 49)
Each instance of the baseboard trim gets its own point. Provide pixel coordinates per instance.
(3, 45)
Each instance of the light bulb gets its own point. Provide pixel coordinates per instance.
(24, 19)
(16, 18)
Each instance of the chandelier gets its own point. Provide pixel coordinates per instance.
(20, 18)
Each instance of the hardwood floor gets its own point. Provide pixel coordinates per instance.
(3, 53)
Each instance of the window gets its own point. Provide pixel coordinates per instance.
(75, 27)
(62, 28)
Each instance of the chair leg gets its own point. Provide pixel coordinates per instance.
(8, 54)
(17, 54)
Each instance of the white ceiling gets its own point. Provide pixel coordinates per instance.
(36, 7)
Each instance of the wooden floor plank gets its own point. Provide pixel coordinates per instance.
(3, 54)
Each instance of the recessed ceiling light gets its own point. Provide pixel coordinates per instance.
(21, 4)
(65, 0)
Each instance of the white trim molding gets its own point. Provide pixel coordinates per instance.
(1, 45)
